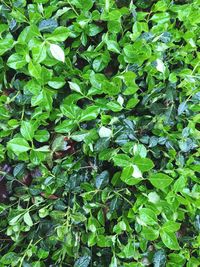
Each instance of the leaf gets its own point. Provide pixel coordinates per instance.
(57, 52)
(6, 43)
(102, 180)
(147, 216)
(39, 53)
(113, 262)
(18, 145)
(150, 233)
(15, 219)
(153, 197)
(159, 259)
(131, 175)
(9, 258)
(41, 136)
(170, 227)
(144, 164)
(182, 107)
(27, 219)
(65, 127)
(56, 83)
(16, 61)
(60, 34)
(132, 103)
(27, 130)
(34, 70)
(48, 25)
(160, 65)
(89, 113)
(83, 261)
(75, 87)
(105, 132)
(160, 180)
(113, 46)
(170, 240)
(122, 160)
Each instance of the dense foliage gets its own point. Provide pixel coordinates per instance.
(99, 117)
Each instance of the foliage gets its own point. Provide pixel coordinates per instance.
(99, 150)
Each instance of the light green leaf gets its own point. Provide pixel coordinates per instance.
(113, 46)
(75, 87)
(60, 34)
(27, 219)
(89, 113)
(148, 216)
(171, 227)
(170, 240)
(16, 61)
(122, 160)
(57, 52)
(27, 130)
(15, 219)
(131, 175)
(56, 82)
(34, 70)
(39, 53)
(149, 233)
(160, 180)
(18, 145)
(65, 127)
(144, 164)
(105, 132)
(42, 136)
(160, 65)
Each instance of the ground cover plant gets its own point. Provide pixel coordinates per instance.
(99, 139)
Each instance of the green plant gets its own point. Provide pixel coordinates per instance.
(99, 152)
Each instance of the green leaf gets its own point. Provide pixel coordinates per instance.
(14, 220)
(65, 126)
(16, 61)
(105, 132)
(170, 240)
(27, 130)
(39, 53)
(6, 43)
(9, 258)
(56, 82)
(147, 216)
(171, 227)
(18, 145)
(132, 103)
(137, 53)
(102, 180)
(160, 180)
(89, 113)
(42, 135)
(34, 70)
(75, 87)
(60, 34)
(131, 175)
(57, 52)
(33, 86)
(113, 46)
(27, 219)
(122, 160)
(144, 164)
(149, 233)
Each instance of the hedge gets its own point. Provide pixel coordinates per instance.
(99, 139)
